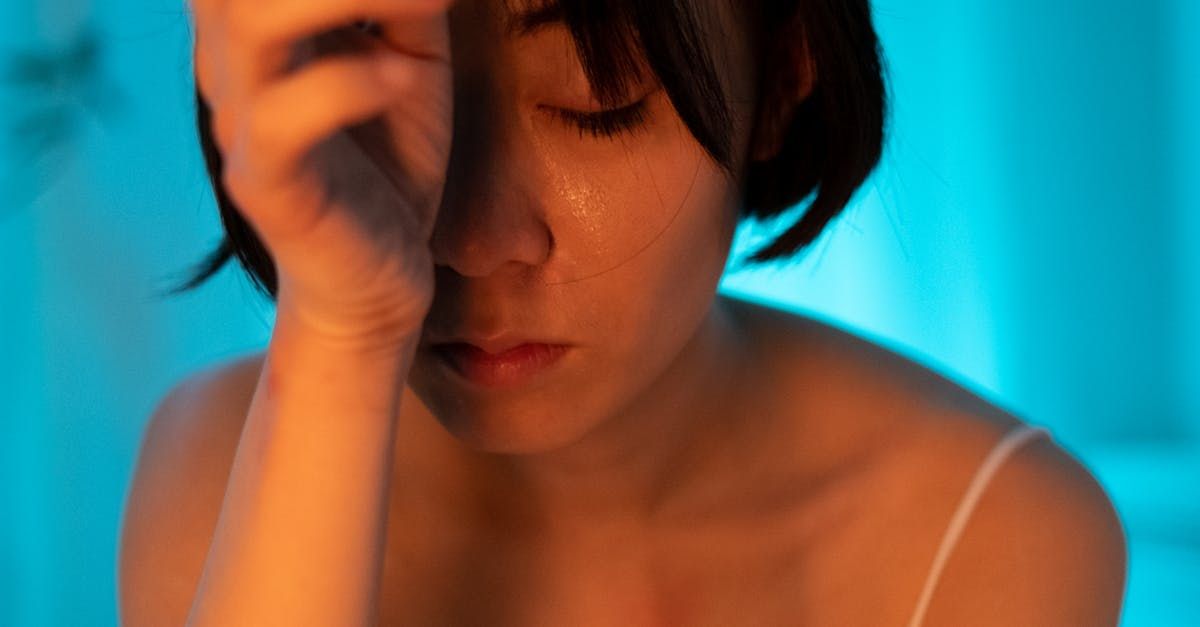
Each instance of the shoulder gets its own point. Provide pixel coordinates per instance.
(203, 412)
(1043, 545)
(178, 483)
(828, 377)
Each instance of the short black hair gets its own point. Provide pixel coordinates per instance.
(832, 143)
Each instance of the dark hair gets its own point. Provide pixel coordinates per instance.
(832, 143)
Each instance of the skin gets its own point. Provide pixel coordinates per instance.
(613, 245)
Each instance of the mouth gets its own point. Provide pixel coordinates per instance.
(506, 367)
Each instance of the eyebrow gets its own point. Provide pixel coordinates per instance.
(528, 22)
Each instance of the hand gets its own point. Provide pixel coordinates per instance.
(335, 144)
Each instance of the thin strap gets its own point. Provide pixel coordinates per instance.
(1009, 443)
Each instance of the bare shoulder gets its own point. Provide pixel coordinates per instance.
(234, 378)
(1043, 544)
(175, 495)
(203, 413)
(918, 412)
(856, 383)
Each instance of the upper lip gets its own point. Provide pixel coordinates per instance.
(493, 345)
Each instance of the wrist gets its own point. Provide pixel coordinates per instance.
(375, 338)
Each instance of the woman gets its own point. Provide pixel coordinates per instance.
(501, 388)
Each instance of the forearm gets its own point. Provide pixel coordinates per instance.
(300, 537)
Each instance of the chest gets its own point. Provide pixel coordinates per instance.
(837, 563)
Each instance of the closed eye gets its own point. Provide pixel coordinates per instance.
(606, 123)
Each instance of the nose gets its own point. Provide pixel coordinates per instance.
(489, 223)
(491, 217)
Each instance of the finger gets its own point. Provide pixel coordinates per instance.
(203, 56)
(202, 73)
(264, 32)
(290, 117)
(201, 10)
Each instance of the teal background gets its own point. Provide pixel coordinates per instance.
(1032, 233)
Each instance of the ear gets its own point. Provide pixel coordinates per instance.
(792, 83)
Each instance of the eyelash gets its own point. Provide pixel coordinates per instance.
(607, 123)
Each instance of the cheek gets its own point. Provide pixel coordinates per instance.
(611, 200)
(643, 224)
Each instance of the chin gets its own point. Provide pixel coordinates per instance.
(520, 420)
(513, 430)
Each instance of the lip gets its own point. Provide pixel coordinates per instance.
(494, 345)
(512, 366)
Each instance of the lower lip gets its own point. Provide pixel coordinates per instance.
(514, 366)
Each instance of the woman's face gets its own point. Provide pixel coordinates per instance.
(614, 245)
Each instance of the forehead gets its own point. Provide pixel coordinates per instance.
(524, 18)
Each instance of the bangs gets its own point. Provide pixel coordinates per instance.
(618, 40)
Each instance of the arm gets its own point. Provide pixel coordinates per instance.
(300, 535)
